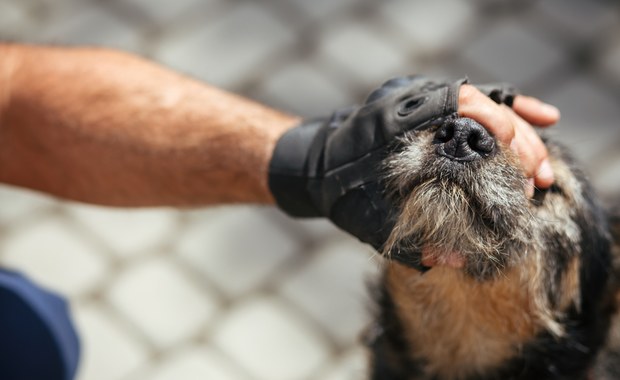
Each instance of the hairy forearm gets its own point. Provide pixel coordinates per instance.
(105, 127)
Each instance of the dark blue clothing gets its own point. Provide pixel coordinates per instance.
(37, 338)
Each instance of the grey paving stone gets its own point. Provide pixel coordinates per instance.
(16, 204)
(302, 90)
(577, 18)
(165, 12)
(332, 288)
(352, 366)
(46, 4)
(206, 215)
(266, 339)
(226, 50)
(589, 118)
(159, 300)
(109, 351)
(608, 180)
(14, 19)
(321, 230)
(369, 57)
(511, 53)
(56, 256)
(87, 24)
(430, 26)
(238, 249)
(610, 60)
(195, 363)
(318, 9)
(149, 229)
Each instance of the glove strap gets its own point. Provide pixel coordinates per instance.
(499, 92)
(288, 171)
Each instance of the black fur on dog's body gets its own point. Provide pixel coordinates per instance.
(537, 305)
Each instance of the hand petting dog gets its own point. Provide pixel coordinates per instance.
(331, 166)
(512, 127)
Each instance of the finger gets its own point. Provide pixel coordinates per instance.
(544, 175)
(510, 128)
(535, 112)
(527, 157)
(532, 142)
(530, 188)
(540, 169)
(474, 104)
(533, 154)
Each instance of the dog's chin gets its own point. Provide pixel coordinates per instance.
(472, 217)
(447, 226)
(481, 265)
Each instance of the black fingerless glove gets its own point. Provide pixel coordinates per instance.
(499, 92)
(332, 167)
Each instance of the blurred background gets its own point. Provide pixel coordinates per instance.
(237, 293)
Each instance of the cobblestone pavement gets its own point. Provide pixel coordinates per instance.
(244, 292)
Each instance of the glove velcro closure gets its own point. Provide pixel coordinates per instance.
(288, 172)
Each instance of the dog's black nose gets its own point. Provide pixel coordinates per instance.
(463, 139)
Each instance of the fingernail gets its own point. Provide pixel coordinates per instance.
(529, 188)
(545, 172)
(551, 111)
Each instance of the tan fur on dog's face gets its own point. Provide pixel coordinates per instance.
(523, 257)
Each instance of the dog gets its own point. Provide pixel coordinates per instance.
(513, 287)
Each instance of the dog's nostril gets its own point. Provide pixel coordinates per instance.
(463, 139)
(445, 133)
(481, 142)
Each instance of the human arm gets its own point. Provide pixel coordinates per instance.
(105, 127)
(333, 167)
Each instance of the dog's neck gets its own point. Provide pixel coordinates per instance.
(458, 326)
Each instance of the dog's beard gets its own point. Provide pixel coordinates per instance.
(477, 217)
(480, 212)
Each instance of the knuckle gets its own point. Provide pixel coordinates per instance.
(467, 94)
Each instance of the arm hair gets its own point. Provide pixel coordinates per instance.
(105, 127)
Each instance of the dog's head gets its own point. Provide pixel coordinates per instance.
(511, 279)
(464, 204)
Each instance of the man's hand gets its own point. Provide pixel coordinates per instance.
(331, 167)
(511, 126)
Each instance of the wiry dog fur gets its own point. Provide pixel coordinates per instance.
(536, 293)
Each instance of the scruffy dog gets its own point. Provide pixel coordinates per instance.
(517, 288)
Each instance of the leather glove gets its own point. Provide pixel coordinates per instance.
(331, 167)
